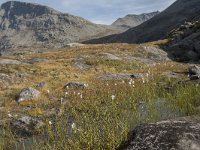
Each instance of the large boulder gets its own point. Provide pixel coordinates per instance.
(28, 94)
(26, 126)
(165, 135)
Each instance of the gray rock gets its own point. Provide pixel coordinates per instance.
(165, 135)
(121, 76)
(28, 94)
(75, 45)
(41, 85)
(26, 126)
(194, 72)
(109, 56)
(9, 62)
(37, 60)
(81, 64)
(75, 85)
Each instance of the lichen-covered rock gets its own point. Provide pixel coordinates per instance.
(28, 94)
(165, 135)
(194, 72)
(9, 62)
(75, 85)
(26, 126)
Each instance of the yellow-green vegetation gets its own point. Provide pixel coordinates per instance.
(102, 115)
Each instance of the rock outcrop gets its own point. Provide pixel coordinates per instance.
(165, 135)
(185, 41)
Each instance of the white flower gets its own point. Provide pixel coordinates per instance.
(81, 96)
(9, 115)
(66, 93)
(67, 87)
(61, 100)
(143, 80)
(78, 93)
(115, 84)
(48, 91)
(113, 97)
(73, 125)
(107, 84)
(123, 81)
(50, 123)
(86, 85)
(133, 85)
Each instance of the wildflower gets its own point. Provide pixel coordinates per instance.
(133, 85)
(67, 87)
(48, 91)
(78, 93)
(86, 85)
(81, 96)
(74, 93)
(50, 123)
(143, 80)
(9, 115)
(73, 125)
(66, 93)
(115, 84)
(123, 81)
(61, 100)
(113, 97)
(107, 84)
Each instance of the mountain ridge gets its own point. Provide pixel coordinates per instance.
(159, 26)
(133, 20)
(30, 25)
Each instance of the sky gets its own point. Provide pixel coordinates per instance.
(103, 11)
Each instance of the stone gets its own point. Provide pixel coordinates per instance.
(9, 62)
(28, 94)
(109, 56)
(75, 85)
(37, 60)
(75, 45)
(194, 72)
(26, 126)
(121, 76)
(41, 85)
(165, 135)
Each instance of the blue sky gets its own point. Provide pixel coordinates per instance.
(104, 11)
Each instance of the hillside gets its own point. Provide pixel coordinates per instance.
(26, 25)
(130, 21)
(159, 26)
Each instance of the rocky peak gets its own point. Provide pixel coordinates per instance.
(132, 20)
(15, 8)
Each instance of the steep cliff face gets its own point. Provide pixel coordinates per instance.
(159, 26)
(26, 25)
(130, 21)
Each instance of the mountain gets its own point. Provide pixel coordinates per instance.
(130, 21)
(27, 25)
(159, 26)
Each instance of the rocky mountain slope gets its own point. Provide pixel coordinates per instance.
(185, 41)
(130, 21)
(159, 26)
(26, 25)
